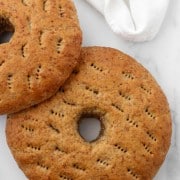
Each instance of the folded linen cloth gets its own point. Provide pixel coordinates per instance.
(135, 20)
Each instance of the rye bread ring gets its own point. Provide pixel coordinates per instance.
(42, 52)
(133, 111)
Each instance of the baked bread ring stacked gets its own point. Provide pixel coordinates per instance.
(106, 84)
(41, 54)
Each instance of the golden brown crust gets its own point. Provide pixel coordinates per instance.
(134, 111)
(42, 52)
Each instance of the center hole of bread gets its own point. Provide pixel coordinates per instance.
(89, 128)
(6, 30)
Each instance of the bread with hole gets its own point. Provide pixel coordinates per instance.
(131, 106)
(42, 52)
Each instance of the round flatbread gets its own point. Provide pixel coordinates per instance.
(135, 118)
(42, 52)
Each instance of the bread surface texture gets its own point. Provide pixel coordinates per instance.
(122, 94)
(42, 52)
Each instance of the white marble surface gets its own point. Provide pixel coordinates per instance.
(161, 57)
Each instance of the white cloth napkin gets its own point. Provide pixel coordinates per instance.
(135, 20)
